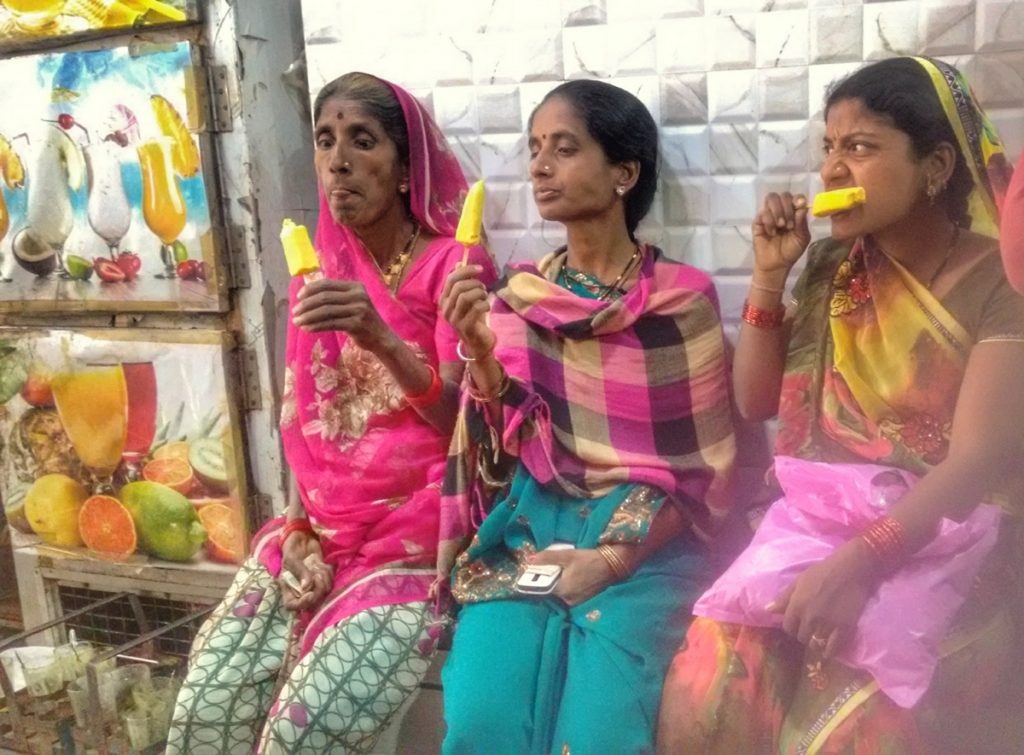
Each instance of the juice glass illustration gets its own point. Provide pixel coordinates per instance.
(93, 406)
(140, 382)
(163, 206)
(109, 211)
(34, 15)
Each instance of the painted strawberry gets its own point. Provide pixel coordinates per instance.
(130, 263)
(108, 270)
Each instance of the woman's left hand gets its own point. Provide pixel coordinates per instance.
(585, 572)
(822, 607)
(329, 304)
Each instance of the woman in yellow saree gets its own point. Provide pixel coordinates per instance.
(877, 594)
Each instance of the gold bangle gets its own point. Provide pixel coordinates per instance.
(614, 561)
(503, 386)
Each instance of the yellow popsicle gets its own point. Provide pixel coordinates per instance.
(298, 250)
(838, 200)
(468, 232)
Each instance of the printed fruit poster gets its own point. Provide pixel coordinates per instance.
(26, 21)
(103, 197)
(120, 448)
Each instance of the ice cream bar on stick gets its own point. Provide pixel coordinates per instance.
(299, 252)
(839, 200)
(468, 232)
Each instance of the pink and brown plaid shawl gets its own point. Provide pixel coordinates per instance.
(603, 393)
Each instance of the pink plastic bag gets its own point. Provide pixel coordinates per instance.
(823, 506)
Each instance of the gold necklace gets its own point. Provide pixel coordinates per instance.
(392, 275)
(622, 276)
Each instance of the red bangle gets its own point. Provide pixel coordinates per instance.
(762, 318)
(430, 396)
(296, 525)
(887, 539)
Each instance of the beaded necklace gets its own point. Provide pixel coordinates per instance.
(602, 292)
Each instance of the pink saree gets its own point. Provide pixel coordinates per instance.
(368, 467)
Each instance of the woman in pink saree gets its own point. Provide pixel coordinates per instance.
(328, 628)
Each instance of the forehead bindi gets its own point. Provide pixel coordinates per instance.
(343, 113)
(556, 119)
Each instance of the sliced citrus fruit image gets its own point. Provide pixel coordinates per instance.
(176, 449)
(201, 501)
(174, 472)
(208, 459)
(185, 154)
(225, 539)
(106, 526)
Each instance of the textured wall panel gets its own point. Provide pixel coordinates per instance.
(735, 85)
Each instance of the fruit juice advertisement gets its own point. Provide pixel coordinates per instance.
(103, 193)
(24, 22)
(121, 449)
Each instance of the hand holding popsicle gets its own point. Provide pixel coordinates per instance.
(464, 299)
(781, 235)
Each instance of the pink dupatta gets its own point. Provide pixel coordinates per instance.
(367, 466)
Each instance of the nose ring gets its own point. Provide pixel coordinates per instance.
(346, 165)
(547, 168)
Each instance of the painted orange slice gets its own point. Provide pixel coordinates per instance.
(225, 537)
(173, 472)
(106, 526)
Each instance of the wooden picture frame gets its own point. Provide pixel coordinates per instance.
(107, 153)
(95, 424)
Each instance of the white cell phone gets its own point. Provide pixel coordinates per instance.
(538, 579)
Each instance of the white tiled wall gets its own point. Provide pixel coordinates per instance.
(736, 85)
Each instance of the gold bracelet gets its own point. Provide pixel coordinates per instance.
(503, 386)
(614, 561)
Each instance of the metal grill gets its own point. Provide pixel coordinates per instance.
(116, 623)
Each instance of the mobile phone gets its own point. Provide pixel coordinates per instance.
(538, 579)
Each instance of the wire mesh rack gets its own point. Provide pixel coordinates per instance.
(128, 633)
(118, 622)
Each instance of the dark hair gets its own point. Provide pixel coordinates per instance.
(378, 99)
(624, 128)
(901, 90)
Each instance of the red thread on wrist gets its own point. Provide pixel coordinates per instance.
(430, 396)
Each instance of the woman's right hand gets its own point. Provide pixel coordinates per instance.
(464, 305)
(780, 233)
(303, 557)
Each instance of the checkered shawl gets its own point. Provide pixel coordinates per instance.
(629, 391)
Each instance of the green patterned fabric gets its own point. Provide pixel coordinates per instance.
(245, 692)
